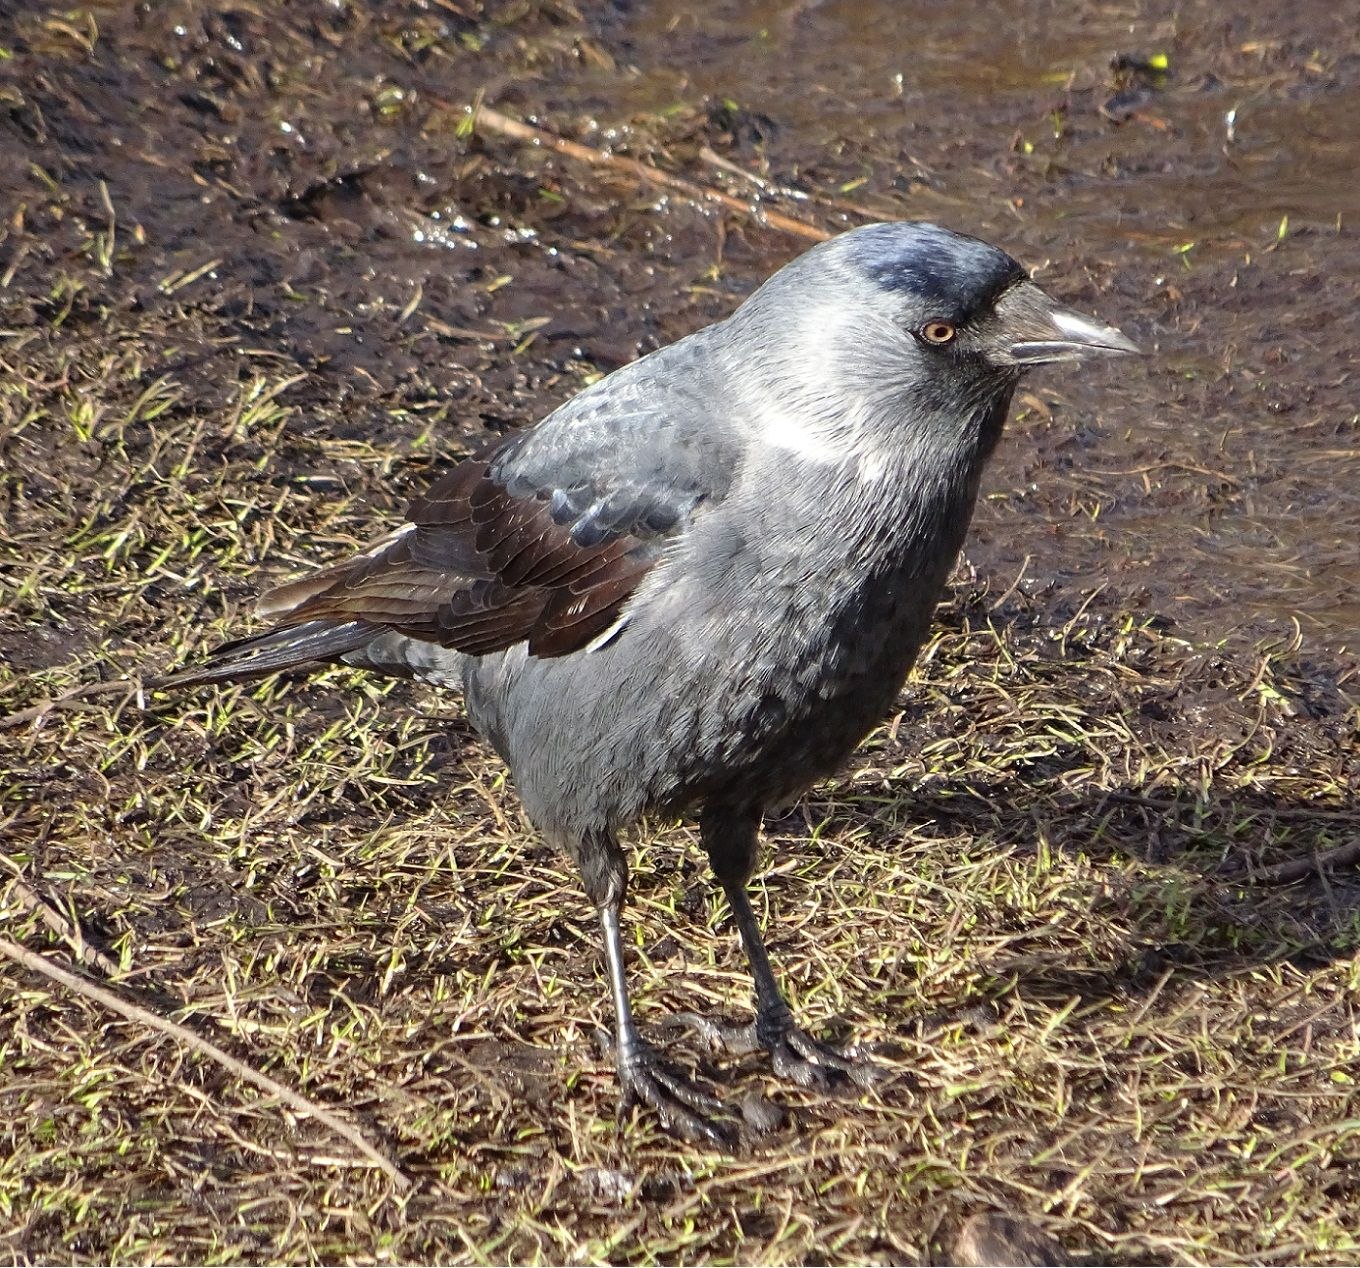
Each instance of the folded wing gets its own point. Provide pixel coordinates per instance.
(483, 564)
(516, 545)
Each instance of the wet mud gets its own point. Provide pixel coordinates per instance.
(217, 189)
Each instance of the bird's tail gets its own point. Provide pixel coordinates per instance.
(291, 647)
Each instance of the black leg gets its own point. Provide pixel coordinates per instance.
(774, 1017)
(731, 839)
(643, 1075)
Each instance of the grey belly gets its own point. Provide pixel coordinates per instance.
(733, 712)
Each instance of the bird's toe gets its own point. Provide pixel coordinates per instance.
(683, 1107)
(799, 1057)
(795, 1055)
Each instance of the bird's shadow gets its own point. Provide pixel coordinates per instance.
(1230, 840)
(1248, 874)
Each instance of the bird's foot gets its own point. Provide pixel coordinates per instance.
(794, 1054)
(646, 1078)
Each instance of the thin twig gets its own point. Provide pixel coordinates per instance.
(1296, 869)
(67, 699)
(493, 121)
(142, 1016)
(67, 930)
(816, 198)
(714, 159)
(1165, 805)
(1014, 585)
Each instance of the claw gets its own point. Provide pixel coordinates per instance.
(684, 1108)
(794, 1054)
(807, 1061)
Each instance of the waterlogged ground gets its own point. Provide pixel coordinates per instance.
(1087, 896)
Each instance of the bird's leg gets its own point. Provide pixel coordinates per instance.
(731, 839)
(643, 1075)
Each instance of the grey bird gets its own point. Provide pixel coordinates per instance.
(698, 584)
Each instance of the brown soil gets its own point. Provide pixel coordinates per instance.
(260, 280)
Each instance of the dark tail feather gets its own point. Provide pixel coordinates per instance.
(287, 648)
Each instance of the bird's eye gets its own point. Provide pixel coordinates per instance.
(938, 332)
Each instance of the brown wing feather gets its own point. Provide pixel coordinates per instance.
(478, 570)
(573, 620)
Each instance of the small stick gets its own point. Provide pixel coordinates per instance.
(142, 1016)
(1166, 804)
(711, 157)
(493, 121)
(714, 159)
(40, 711)
(1297, 869)
(67, 930)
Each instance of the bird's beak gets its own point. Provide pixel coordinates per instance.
(1032, 330)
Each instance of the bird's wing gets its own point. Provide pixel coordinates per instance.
(542, 539)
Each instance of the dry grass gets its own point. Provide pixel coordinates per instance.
(1026, 898)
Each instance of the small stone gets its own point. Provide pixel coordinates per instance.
(990, 1239)
(761, 1114)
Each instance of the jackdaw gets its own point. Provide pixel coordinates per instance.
(698, 584)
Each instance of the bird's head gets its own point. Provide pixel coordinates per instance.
(915, 322)
(962, 298)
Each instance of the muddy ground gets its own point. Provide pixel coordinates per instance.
(1089, 895)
